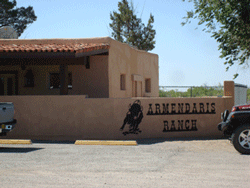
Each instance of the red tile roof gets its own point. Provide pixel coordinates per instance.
(74, 48)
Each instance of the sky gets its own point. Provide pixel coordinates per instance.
(187, 56)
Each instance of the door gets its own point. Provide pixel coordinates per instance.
(137, 89)
(7, 84)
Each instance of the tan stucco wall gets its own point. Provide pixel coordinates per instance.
(229, 92)
(74, 117)
(124, 59)
(92, 82)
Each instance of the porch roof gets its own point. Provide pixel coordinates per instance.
(76, 48)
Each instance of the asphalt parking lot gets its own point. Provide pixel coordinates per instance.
(153, 163)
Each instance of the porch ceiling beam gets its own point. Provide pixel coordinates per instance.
(37, 55)
(51, 54)
(95, 52)
(42, 61)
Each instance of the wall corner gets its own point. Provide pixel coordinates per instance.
(229, 88)
(229, 92)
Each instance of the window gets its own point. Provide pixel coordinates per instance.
(148, 85)
(123, 82)
(29, 79)
(55, 80)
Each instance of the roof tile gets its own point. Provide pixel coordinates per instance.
(73, 48)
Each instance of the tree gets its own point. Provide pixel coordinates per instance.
(18, 18)
(129, 29)
(233, 19)
(248, 95)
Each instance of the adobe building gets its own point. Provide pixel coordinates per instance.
(93, 67)
(79, 89)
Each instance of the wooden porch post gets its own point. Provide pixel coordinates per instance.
(64, 79)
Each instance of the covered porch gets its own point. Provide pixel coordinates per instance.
(46, 68)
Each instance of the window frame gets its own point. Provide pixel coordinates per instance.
(122, 82)
(70, 80)
(148, 87)
(29, 79)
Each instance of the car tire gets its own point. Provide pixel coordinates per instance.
(241, 139)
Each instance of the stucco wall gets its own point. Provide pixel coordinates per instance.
(126, 60)
(74, 117)
(94, 81)
(229, 92)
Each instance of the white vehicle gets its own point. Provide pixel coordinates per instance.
(7, 121)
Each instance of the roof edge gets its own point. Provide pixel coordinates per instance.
(95, 40)
(56, 41)
(131, 47)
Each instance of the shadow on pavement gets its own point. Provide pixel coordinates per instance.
(161, 140)
(17, 150)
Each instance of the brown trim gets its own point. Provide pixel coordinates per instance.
(31, 55)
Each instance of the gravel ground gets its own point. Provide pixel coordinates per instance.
(153, 163)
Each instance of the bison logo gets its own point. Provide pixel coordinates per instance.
(133, 118)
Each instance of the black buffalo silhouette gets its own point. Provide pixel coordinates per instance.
(133, 118)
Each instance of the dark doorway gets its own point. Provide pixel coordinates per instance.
(8, 84)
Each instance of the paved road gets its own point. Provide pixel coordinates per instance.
(211, 163)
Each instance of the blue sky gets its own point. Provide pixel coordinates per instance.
(187, 57)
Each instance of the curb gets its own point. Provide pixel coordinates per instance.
(98, 142)
(7, 141)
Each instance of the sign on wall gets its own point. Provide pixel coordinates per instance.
(135, 114)
(133, 118)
